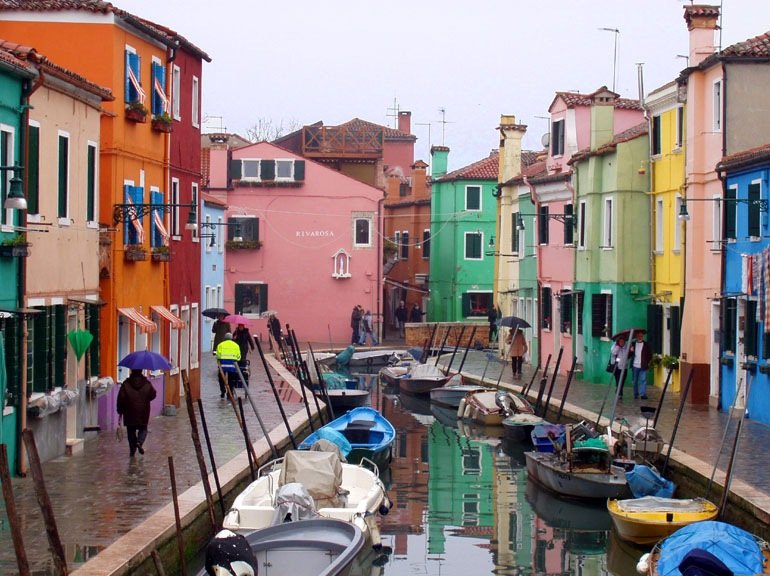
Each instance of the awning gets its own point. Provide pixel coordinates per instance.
(570, 292)
(165, 313)
(144, 323)
(83, 300)
(21, 311)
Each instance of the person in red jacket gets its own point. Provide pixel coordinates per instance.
(134, 398)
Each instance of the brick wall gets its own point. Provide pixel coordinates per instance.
(417, 334)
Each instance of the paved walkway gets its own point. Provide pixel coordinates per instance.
(100, 495)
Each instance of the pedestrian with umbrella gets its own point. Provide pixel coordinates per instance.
(134, 398)
(519, 348)
(219, 329)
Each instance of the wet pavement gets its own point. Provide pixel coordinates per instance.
(100, 494)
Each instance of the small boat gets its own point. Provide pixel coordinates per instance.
(307, 484)
(491, 407)
(343, 390)
(361, 433)
(519, 426)
(452, 393)
(547, 437)
(583, 470)
(315, 547)
(375, 358)
(414, 378)
(649, 519)
(711, 546)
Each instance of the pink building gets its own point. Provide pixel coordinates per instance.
(303, 240)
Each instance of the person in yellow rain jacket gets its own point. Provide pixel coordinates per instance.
(227, 350)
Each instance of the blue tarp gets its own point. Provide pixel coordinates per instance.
(737, 548)
(645, 481)
(343, 358)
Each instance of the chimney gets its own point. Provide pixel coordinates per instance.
(511, 135)
(701, 22)
(602, 117)
(439, 159)
(405, 122)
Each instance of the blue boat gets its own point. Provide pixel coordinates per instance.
(361, 433)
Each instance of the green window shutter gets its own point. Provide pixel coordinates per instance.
(232, 226)
(754, 212)
(542, 225)
(33, 170)
(263, 297)
(675, 330)
(751, 329)
(41, 344)
(127, 95)
(569, 224)
(766, 345)
(267, 169)
(580, 301)
(730, 211)
(241, 291)
(12, 347)
(92, 325)
(235, 170)
(546, 308)
(655, 327)
(63, 175)
(466, 305)
(597, 315)
(59, 346)
(299, 170)
(91, 185)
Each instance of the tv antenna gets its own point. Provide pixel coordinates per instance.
(393, 111)
(614, 55)
(443, 122)
(428, 125)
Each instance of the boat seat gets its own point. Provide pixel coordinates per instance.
(358, 431)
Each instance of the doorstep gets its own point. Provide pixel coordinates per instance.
(74, 446)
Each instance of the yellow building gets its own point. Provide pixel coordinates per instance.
(667, 176)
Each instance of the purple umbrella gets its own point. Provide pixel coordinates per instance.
(145, 360)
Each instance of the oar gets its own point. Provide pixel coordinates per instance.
(676, 422)
(440, 350)
(545, 373)
(525, 390)
(426, 352)
(302, 388)
(660, 400)
(303, 369)
(724, 437)
(731, 465)
(275, 393)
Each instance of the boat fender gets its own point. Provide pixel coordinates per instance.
(230, 553)
(468, 411)
(643, 566)
(461, 408)
(385, 507)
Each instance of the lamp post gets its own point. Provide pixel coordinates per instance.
(15, 199)
(760, 203)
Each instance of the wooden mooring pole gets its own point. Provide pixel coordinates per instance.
(13, 517)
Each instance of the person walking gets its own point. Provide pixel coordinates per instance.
(415, 314)
(518, 349)
(619, 362)
(492, 319)
(355, 324)
(228, 351)
(641, 355)
(243, 338)
(219, 329)
(401, 318)
(134, 398)
(367, 329)
(274, 327)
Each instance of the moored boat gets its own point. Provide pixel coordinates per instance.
(519, 426)
(315, 547)
(360, 433)
(375, 358)
(491, 407)
(648, 519)
(414, 378)
(452, 393)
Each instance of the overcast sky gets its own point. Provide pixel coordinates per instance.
(294, 62)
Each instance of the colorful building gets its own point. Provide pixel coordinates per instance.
(463, 221)
(297, 227)
(212, 236)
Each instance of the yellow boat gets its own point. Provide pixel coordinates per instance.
(649, 519)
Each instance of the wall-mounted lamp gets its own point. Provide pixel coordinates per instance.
(493, 252)
(15, 199)
(129, 212)
(213, 237)
(211, 225)
(762, 204)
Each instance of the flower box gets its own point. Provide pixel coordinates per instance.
(161, 254)
(136, 114)
(135, 253)
(244, 245)
(161, 125)
(14, 250)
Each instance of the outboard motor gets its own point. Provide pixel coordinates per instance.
(293, 503)
(229, 554)
(503, 401)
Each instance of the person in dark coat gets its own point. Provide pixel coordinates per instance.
(415, 314)
(274, 325)
(219, 329)
(134, 398)
(243, 338)
(401, 318)
(355, 323)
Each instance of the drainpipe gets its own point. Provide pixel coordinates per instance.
(539, 274)
(380, 285)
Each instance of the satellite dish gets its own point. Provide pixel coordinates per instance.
(545, 140)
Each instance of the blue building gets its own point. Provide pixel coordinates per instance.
(212, 235)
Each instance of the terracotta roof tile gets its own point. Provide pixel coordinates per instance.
(8, 58)
(572, 99)
(388, 133)
(745, 158)
(627, 135)
(757, 47)
(700, 10)
(162, 33)
(485, 169)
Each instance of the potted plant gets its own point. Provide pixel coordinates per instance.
(162, 122)
(161, 254)
(243, 244)
(669, 362)
(17, 246)
(136, 112)
(135, 252)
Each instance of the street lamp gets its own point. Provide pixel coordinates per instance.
(762, 204)
(15, 199)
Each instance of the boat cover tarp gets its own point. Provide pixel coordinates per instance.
(343, 358)
(293, 503)
(426, 371)
(319, 472)
(335, 438)
(658, 504)
(738, 549)
(334, 381)
(598, 443)
(645, 481)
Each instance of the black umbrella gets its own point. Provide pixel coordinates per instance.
(628, 333)
(513, 322)
(214, 313)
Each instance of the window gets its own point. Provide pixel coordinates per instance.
(731, 213)
(6, 157)
(473, 198)
(243, 229)
(258, 170)
(250, 169)
(426, 243)
(655, 138)
(362, 230)
(175, 228)
(607, 228)
(729, 319)
(159, 99)
(63, 180)
(476, 303)
(403, 189)
(250, 297)
(48, 344)
(542, 225)
(397, 243)
(557, 137)
(679, 127)
(582, 226)
(546, 307)
(677, 224)
(473, 243)
(515, 232)
(176, 91)
(566, 313)
(659, 226)
(569, 224)
(158, 232)
(196, 90)
(133, 229)
(755, 214)
(33, 169)
(750, 340)
(133, 80)
(717, 106)
(404, 245)
(91, 195)
(601, 315)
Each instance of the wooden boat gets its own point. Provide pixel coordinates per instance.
(315, 547)
(375, 358)
(519, 426)
(452, 393)
(582, 470)
(343, 390)
(698, 545)
(310, 483)
(414, 378)
(491, 407)
(649, 519)
(360, 433)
